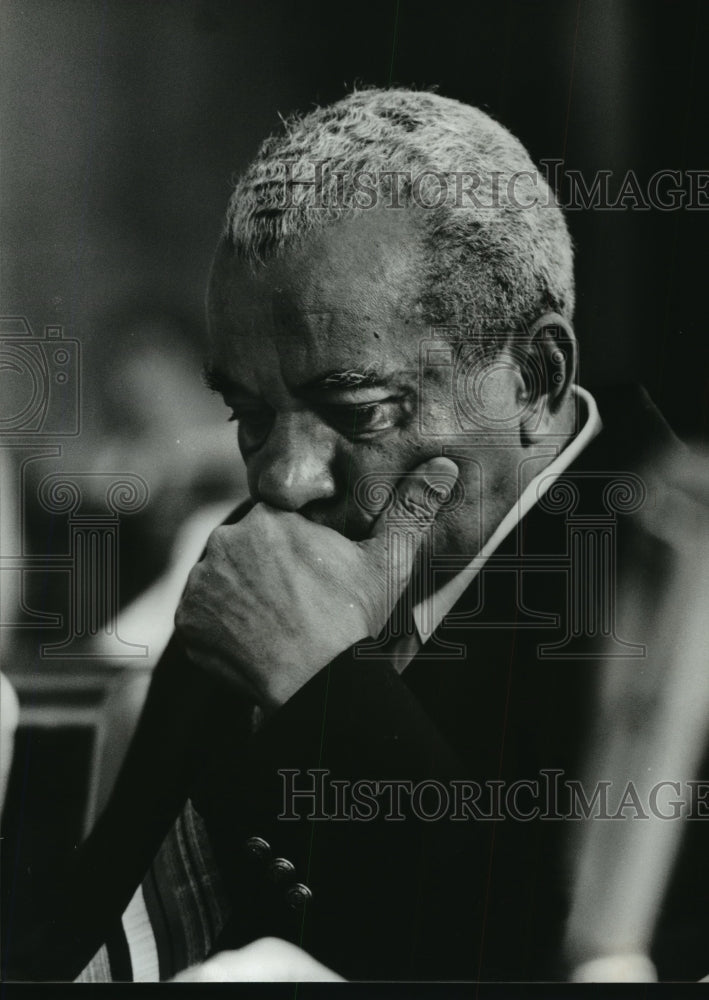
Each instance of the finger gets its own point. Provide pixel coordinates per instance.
(419, 497)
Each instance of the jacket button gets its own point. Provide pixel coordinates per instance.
(280, 869)
(258, 848)
(298, 895)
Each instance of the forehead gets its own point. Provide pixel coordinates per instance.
(348, 295)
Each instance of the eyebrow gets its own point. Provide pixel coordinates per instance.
(368, 378)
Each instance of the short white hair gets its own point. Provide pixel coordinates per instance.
(489, 268)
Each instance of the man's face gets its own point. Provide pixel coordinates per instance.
(318, 356)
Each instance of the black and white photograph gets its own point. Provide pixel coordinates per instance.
(354, 497)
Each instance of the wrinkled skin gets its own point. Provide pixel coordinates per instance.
(317, 355)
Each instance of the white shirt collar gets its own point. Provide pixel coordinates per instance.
(429, 613)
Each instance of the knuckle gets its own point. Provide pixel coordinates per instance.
(182, 619)
(184, 615)
(218, 539)
(266, 523)
(194, 579)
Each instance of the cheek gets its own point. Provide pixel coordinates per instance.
(390, 455)
(362, 467)
(368, 471)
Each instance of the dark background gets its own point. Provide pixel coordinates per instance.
(124, 121)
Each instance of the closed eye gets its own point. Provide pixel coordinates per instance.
(357, 420)
(254, 425)
(249, 413)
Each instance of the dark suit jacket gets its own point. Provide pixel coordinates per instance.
(399, 898)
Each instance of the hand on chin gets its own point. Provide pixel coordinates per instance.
(276, 597)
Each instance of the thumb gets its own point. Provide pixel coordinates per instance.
(418, 498)
(397, 534)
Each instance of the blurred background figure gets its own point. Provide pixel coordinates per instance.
(157, 420)
(153, 421)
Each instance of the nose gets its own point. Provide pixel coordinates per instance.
(294, 465)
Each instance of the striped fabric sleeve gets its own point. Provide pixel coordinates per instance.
(98, 970)
(174, 917)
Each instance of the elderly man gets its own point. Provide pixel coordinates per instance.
(384, 663)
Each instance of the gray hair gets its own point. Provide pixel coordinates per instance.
(490, 265)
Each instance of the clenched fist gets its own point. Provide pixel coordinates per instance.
(276, 597)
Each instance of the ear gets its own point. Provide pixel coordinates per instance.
(552, 354)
